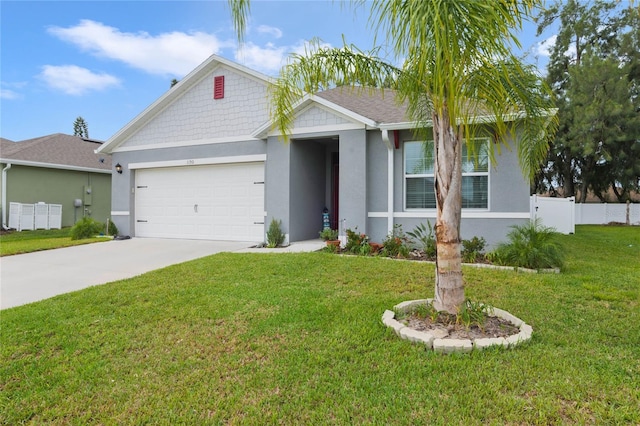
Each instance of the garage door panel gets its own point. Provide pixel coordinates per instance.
(201, 202)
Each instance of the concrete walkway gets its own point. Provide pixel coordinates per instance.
(31, 277)
(297, 247)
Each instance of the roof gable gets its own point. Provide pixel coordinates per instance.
(188, 111)
(57, 150)
(318, 115)
(341, 106)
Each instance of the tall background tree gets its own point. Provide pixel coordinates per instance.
(594, 70)
(80, 128)
(456, 64)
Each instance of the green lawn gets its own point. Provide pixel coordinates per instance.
(297, 339)
(30, 241)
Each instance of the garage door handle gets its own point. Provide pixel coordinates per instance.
(258, 223)
(195, 208)
(140, 220)
(258, 183)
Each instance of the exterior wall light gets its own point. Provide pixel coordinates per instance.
(119, 168)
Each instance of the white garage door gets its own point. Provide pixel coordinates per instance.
(212, 202)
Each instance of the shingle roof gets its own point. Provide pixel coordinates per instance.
(377, 105)
(59, 149)
(380, 105)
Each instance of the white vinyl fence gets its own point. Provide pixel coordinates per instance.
(596, 214)
(558, 213)
(35, 216)
(564, 213)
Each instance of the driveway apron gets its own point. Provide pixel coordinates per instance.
(31, 277)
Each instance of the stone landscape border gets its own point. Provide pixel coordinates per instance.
(481, 265)
(446, 346)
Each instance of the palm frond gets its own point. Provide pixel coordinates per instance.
(519, 104)
(240, 11)
(321, 68)
(446, 39)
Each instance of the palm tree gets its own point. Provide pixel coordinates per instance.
(459, 79)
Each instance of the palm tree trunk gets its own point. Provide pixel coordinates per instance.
(449, 293)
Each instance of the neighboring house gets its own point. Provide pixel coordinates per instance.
(57, 169)
(203, 162)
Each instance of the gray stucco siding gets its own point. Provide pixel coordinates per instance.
(508, 194)
(508, 189)
(353, 179)
(277, 183)
(377, 170)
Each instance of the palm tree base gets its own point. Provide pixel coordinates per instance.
(446, 341)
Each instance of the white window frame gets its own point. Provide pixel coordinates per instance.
(406, 176)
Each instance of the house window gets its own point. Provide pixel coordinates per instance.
(419, 175)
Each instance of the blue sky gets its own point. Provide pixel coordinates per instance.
(108, 60)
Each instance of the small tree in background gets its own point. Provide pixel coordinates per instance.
(80, 128)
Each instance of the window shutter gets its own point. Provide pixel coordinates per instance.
(218, 87)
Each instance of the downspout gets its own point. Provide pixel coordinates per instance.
(4, 196)
(390, 147)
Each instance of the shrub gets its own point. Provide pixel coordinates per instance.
(473, 249)
(331, 248)
(329, 234)
(424, 239)
(357, 243)
(531, 246)
(396, 244)
(469, 315)
(473, 313)
(87, 227)
(275, 236)
(113, 229)
(365, 249)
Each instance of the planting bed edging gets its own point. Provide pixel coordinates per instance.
(434, 340)
(482, 265)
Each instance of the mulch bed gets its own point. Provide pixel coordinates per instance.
(493, 327)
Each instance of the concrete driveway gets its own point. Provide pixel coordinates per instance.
(27, 278)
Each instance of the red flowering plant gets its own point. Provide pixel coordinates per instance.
(396, 244)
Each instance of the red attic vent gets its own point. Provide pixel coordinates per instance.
(218, 87)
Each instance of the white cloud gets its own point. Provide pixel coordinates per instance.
(175, 53)
(270, 58)
(74, 80)
(266, 29)
(8, 90)
(544, 47)
(9, 94)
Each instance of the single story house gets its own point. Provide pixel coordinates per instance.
(56, 169)
(204, 162)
